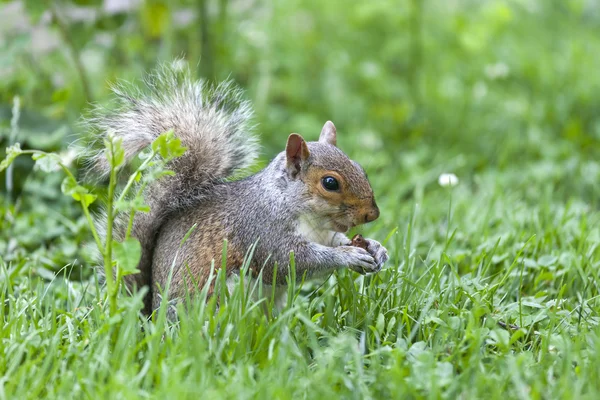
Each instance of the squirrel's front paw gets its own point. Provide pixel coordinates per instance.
(379, 253)
(360, 260)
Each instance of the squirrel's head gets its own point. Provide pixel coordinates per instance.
(336, 188)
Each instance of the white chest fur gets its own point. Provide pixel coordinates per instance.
(312, 230)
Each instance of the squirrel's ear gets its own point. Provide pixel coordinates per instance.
(328, 134)
(296, 151)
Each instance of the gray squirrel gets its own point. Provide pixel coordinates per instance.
(304, 201)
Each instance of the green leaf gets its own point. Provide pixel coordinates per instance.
(137, 204)
(391, 325)
(380, 325)
(168, 146)
(119, 155)
(155, 174)
(70, 187)
(175, 148)
(516, 336)
(127, 255)
(115, 154)
(47, 162)
(88, 199)
(159, 143)
(12, 152)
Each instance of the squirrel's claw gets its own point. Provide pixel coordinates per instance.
(360, 260)
(379, 253)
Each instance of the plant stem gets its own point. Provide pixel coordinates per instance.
(130, 182)
(132, 213)
(86, 211)
(111, 285)
(92, 227)
(133, 176)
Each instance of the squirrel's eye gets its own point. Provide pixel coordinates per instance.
(330, 183)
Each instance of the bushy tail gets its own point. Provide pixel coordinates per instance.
(212, 121)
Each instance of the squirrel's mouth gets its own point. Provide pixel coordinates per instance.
(339, 227)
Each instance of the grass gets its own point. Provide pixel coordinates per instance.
(487, 294)
(492, 287)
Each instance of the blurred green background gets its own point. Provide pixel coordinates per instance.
(484, 89)
(492, 289)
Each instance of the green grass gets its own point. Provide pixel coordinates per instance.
(490, 292)
(492, 287)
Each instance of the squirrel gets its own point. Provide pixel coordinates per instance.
(303, 201)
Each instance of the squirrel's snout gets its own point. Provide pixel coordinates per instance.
(372, 214)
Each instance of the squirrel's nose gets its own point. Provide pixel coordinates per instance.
(372, 214)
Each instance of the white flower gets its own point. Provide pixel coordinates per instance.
(446, 180)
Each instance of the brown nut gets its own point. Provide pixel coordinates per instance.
(359, 241)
